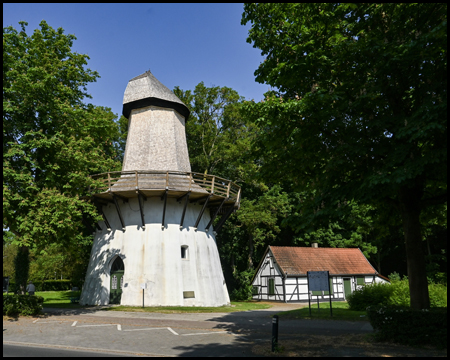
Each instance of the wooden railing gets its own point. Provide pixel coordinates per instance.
(161, 180)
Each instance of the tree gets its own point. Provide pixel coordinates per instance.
(260, 218)
(358, 110)
(52, 140)
(9, 254)
(214, 115)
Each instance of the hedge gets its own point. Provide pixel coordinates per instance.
(47, 285)
(409, 327)
(14, 305)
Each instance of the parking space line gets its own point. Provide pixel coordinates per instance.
(208, 333)
(96, 325)
(173, 332)
(158, 328)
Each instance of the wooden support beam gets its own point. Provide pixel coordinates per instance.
(142, 194)
(183, 196)
(98, 226)
(215, 214)
(224, 218)
(118, 210)
(164, 208)
(184, 209)
(202, 211)
(141, 207)
(100, 210)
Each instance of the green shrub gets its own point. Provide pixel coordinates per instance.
(396, 293)
(370, 294)
(438, 295)
(409, 327)
(400, 293)
(14, 305)
(244, 288)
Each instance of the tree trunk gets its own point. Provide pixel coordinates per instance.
(409, 201)
(250, 251)
(22, 267)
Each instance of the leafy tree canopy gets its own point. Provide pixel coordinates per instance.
(52, 140)
(359, 107)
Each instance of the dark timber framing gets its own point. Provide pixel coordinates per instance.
(202, 211)
(209, 191)
(215, 214)
(164, 197)
(99, 207)
(115, 197)
(141, 206)
(184, 208)
(294, 287)
(224, 218)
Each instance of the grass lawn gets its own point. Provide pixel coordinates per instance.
(61, 299)
(340, 312)
(235, 306)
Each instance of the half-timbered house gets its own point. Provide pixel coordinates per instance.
(282, 273)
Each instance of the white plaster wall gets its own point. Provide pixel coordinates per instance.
(380, 280)
(153, 256)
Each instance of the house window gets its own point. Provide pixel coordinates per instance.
(360, 280)
(184, 252)
(255, 290)
(271, 286)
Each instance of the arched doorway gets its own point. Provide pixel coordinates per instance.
(116, 276)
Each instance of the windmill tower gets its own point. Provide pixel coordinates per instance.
(156, 243)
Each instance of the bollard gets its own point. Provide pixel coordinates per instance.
(274, 332)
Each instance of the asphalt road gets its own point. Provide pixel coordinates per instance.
(32, 351)
(154, 334)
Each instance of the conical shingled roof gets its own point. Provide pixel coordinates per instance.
(145, 90)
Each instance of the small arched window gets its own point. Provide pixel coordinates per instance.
(184, 252)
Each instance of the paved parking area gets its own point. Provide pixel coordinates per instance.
(212, 334)
(168, 337)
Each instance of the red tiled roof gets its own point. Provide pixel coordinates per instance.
(299, 260)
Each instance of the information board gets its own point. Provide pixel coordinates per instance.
(318, 281)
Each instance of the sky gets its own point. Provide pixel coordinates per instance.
(181, 44)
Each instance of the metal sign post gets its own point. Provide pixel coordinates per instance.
(274, 332)
(143, 286)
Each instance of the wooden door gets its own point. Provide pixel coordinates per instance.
(347, 287)
(116, 286)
